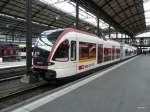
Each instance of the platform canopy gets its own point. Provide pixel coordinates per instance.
(125, 15)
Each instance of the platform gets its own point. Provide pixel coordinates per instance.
(4, 65)
(122, 88)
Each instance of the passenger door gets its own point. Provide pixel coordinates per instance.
(73, 56)
(100, 53)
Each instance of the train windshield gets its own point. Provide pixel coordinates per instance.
(51, 35)
(44, 45)
(40, 56)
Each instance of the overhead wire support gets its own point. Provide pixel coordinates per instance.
(109, 31)
(98, 30)
(77, 14)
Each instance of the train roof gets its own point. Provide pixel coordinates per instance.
(47, 32)
(109, 41)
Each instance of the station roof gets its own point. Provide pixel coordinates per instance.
(44, 16)
(16, 26)
(125, 15)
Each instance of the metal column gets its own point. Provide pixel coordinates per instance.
(77, 14)
(29, 37)
(98, 31)
(29, 77)
(13, 37)
(6, 39)
(109, 30)
(121, 37)
(116, 35)
(125, 39)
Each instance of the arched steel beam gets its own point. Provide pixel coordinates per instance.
(135, 22)
(130, 6)
(106, 3)
(4, 5)
(133, 16)
(93, 7)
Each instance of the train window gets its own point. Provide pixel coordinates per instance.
(100, 54)
(0, 52)
(52, 36)
(87, 50)
(126, 52)
(62, 52)
(107, 54)
(92, 50)
(113, 53)
(73, 50)
(118, 53)
(40, 56)
(83, 50)
(5, 52)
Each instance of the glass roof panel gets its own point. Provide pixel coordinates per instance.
(147, 34)
(147, 20)
(69, 7)
(146, 4)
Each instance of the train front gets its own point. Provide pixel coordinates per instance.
(42, 51)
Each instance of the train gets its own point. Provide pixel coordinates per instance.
(8, 51)
(63, 53)
(22, 50)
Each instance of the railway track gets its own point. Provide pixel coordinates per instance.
(12, 73)
(19, 88)
(10, 82)
(21, 92)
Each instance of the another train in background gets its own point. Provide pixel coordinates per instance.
(22, 50)
(12, 51)
(9, 51)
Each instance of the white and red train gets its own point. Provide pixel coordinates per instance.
(67, 52)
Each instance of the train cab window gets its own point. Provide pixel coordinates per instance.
(51, 36)
(62, 52)
(73, 50)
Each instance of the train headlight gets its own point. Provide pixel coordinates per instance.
(51, 63)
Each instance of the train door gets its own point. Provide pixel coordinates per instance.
(122, 52)
(113, 52)
(100, 53)
(65, 59)
(73, 56)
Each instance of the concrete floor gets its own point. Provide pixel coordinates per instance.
(125, 89)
